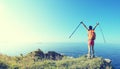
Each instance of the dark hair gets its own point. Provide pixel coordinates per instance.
(90, 27)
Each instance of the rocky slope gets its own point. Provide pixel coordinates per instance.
(52, 60)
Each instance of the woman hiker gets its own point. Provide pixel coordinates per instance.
(91, 38)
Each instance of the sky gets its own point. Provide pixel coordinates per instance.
(37, 21)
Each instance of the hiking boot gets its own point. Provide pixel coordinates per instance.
(93, 56)
(88, 56)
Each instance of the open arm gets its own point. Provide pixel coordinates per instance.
(96, 26)
(84, 25)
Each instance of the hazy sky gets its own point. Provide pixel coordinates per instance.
(31, 21)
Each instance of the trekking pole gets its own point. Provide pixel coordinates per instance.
(75, 30)
(102, 33)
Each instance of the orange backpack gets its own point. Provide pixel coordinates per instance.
(91, 35)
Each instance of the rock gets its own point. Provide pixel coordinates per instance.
(3, 65)
(40, 55)
(107, 61)
(53, 55)
(107, 64)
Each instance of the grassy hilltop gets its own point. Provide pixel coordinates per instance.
(33, 60)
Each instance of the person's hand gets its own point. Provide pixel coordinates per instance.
(81, 22)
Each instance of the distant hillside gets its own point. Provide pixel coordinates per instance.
(51, 60)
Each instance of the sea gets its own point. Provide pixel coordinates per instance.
(109, 51)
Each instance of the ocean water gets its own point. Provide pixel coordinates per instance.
(111, 51)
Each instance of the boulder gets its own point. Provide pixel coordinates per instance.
(108, 61)
(53, 55)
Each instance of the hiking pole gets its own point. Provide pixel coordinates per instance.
(75, 30)
(102, 33)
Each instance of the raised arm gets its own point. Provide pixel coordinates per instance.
(96, 26)
(84, 25)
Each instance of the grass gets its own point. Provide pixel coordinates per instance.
(27, 62)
